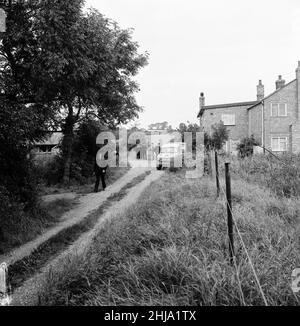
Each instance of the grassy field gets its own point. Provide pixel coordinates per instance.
(171, 248)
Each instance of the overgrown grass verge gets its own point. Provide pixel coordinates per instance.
(22, 270)
(281, 175)
(57, 208)
(171, 249)
(28, 227)
(19, 226)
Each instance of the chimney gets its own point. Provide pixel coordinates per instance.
(280, 82)
(260, 91)
(201, 101)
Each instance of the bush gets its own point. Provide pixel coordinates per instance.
(84, 152)
(18, 223)
(218, 138)
(20, 216)
(52, 172)
(246, 146)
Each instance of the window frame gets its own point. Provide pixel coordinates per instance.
(232, 116)
(278, 110)
(279, 140)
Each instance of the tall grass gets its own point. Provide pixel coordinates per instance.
(281, 175)
(171, 248)
(20, 226)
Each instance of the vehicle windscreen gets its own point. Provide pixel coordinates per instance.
(170, 150)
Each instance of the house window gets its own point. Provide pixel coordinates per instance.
(279, 144)
(228, 119)
(274, 110)
(282, 112)
(278, 110)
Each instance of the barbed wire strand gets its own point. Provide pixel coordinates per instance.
(245, 248)
(236, 268)
(237, 272)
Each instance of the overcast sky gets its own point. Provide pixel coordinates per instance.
(221, 48)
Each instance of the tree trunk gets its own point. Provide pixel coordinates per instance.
(68, 140)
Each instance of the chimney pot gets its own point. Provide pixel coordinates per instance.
(280, 82)
(202, 101)
(260, 91)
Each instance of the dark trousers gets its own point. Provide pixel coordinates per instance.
(100, 175)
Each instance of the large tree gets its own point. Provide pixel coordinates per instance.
(88, 66)
(24, 114)
(59, 65)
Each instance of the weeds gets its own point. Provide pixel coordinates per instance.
(281, 175)
(172, 249)
(20, 227)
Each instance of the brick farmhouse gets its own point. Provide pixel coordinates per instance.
(273, 120)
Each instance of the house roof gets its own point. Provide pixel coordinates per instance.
(227, 105)
(251, 104)
(277, 91)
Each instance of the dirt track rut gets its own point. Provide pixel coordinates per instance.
(27, 294)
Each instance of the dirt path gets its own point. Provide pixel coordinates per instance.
(87, 204)
(28, 293)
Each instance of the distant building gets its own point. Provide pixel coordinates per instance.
(45, 151)
(160, 136)
(273, 120)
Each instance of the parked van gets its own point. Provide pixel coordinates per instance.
(170, 154)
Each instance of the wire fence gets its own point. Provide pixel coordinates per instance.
(231, 248)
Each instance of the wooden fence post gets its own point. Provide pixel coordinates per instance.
(217, 173)
(229, 211)
(211, 164)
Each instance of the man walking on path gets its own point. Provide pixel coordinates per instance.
(100, 174)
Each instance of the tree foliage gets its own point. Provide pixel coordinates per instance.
(192, 128)
(160, 126)
(218, 137)
(23, 116)
(59, 66)
(91, 62)
(188, 127)
(64, 64)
